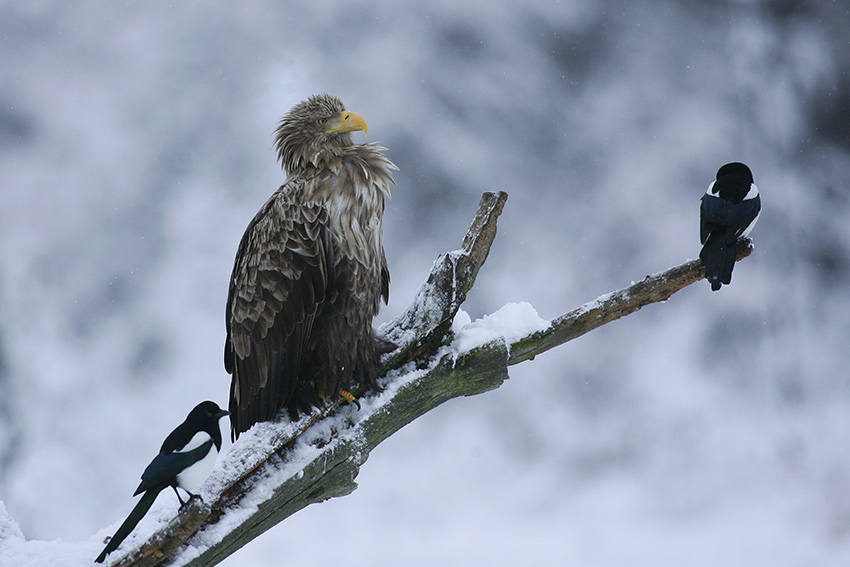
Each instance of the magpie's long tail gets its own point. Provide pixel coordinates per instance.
(137, 514)
(718, 257)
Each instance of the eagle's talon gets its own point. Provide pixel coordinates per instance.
(349, 397)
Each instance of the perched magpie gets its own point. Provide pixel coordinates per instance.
(728, 211)
(186, 459)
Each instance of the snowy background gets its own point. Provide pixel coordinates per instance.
(135, 146)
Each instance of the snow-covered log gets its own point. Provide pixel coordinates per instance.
(276, 469)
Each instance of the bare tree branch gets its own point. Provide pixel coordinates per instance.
(416, 335)
(276, 469)
(610, 307)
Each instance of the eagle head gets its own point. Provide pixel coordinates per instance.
(314, 131)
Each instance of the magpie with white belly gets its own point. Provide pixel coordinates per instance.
(728, 211)
(185, 460)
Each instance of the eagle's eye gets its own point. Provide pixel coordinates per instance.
(322, 121)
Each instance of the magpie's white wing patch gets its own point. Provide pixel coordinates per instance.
(753, 198)
(196, 441)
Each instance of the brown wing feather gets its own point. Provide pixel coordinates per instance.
(281, 277)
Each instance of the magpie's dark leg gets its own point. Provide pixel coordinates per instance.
(174, 486)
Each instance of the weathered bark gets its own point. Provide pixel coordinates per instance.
(423, 371)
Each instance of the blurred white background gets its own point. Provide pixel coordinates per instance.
(135, 146)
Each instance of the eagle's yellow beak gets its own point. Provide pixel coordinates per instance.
(347, 122)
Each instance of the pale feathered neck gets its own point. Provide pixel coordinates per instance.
(299, 156)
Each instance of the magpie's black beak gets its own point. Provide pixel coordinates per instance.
(221, 413)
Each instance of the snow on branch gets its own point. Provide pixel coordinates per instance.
(434, 354)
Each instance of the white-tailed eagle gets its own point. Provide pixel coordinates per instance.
(310, 271)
